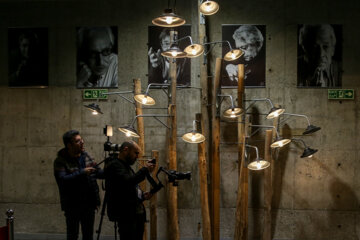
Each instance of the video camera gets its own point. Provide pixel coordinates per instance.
(109, 146)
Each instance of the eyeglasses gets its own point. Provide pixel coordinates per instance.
(78, 141)
(105, 52)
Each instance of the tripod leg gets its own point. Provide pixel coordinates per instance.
(102, 217)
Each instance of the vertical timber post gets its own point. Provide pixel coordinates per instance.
(153, 201)
(267, 186)
(204, 197)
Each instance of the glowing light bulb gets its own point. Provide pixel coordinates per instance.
(128, 134)
(193, 138)
(258, 165)
(208, 7)
(95, 113)
(174, 54)
(281, 144)
(193, 52)
(233, 56)
(310, 156)
(144, 100)
(276, 114)
(168, 20)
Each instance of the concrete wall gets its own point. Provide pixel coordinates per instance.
(314, 198)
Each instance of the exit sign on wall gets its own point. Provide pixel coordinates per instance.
(95, 94)
(341, 94)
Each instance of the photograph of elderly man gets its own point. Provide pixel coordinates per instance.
(319, 55)
(251, 39)
(97, 59)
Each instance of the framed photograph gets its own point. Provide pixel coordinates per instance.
(251, 39)
(28, 57)
(319, 62)
(158, 65)
(97, 57)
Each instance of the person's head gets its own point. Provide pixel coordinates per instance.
(73, 142)
(96, 44)
(164, 38)
(27, 44)
(129, 151)
(249, 39)
(318, 43)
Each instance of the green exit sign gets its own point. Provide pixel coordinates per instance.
(95, 94)
(341, 94)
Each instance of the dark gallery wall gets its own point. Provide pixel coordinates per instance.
(315, 198)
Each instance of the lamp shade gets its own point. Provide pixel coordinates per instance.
(275, 112)
(280, 143)
(193, 137)
(258, 164)
(233, 54)
(194, 50)
(168, 19)
(129, 131)
(308, 152)
(144, 99)
(311, 129)
(209, 7)
(174, 52)
(94, 108)
(233, 112)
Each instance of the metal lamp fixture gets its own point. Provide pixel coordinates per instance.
(232, 55)
(209, 7)
(145, 99)
(258, 163)
(232, 112)
(194, 136)
(130, 130)
(310, 128)
(279, 142)
(174, 52)
(308, 152)
(168, 19)
(94, 108)
(274, 111)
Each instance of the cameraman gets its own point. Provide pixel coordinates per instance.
(75, 173)
(124, 197)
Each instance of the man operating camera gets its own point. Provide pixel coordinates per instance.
(124, 197)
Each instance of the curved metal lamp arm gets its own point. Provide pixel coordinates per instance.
(299, 140)
(155, 84)
(208, 43)
(256, 149)
(265, 126)
(298, 115)
(231, 98)
(121, 95)
(260, 99)
(154, 116)
(178, 40)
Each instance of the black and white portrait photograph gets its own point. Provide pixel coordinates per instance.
(158, 65)
(97, 57)
(319, 55)
(251, 39)
(28, 57)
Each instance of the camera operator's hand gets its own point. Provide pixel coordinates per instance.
(89, 170)
(147, 195)
(150, 166)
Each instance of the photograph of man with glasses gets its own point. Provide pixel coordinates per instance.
(97, 59)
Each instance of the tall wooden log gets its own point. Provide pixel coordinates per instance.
(206, 232)
(141, 131)
(153, 201)
(241, 219)
(267, 187)
(215, 159)
(172, 214)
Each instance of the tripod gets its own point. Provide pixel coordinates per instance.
(103, 208)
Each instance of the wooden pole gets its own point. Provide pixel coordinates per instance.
(206, 233)
(215, 160)
(153, 201)
(267, 187)
(241, 219)
(141, 131)
(172, 214)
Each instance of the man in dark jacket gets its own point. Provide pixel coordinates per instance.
(75, 173)
(123, 194)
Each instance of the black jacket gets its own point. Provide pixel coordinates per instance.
(77, 189)
(121, 185)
